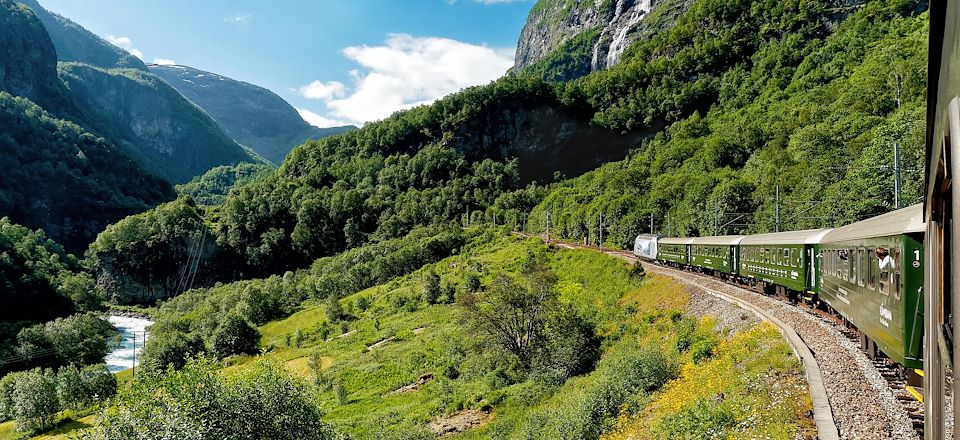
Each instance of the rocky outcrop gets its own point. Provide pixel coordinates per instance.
(252, 115)
(614, 25)
(28, 62)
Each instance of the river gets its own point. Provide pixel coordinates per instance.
(132, 330)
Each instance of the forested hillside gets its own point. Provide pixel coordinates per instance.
(813, 111)
(252, 115)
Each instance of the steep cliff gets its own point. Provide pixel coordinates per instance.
(252, 115)
(28, 63)
(565, 39)
(169, 134)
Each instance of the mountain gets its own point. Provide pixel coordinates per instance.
(566, 39)
(112, 93)
(57, 175)
(156, 124)
(252, 115)
(74, 43)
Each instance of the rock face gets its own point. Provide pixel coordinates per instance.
(168, 134)
(252, 115)
(613, 26)
(28, 63)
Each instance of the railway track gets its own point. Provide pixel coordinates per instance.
(867, 397)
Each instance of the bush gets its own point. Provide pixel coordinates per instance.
(78, 388)
(333, 309)
(234, 336)
(198, 402)
(171, 349)
(79, 339)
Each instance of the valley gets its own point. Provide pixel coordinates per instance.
(384, 278)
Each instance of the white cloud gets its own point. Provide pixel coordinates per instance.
(406, 72)
(319, 121)
(126, 44)
(164, 61)
(323, 90)
(238, 19)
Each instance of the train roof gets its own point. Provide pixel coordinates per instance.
(649, 236)
(902, 221)
(726, 240)
(806, 236)
(675, 240)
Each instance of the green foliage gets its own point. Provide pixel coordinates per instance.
(198, 402)
(158, 254)
(79, 388)
(81, 339)
(33, 401)
(185, 322)
(569, 61)
(785, 111)
(82, 182)
(211, 188)
(234, 336)
(430, 289)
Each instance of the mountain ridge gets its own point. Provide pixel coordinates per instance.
(254, 116)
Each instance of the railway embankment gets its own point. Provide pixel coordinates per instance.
(858, 399)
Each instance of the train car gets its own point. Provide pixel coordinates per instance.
(871, 273)
(715, 254)
(782, 262)
(645, 246)
(674, 251)
(941, 303)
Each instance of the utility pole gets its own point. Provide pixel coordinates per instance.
(524, 222)
(777, 212)
(600, 243)
(669, 230)
(896, 175)
(548, 226)
(134, 353)
(651, 223)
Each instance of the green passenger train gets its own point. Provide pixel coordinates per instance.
(869, 273)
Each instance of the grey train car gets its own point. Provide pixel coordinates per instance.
(645, 246)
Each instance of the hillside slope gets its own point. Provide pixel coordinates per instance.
(169, 134)
(804, 127)
(252, 115)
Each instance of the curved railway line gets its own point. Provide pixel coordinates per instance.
(854, 397)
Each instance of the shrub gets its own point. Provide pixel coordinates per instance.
(234, 336)
(334, 311)
(198, 402)
(171, 349)
(78, 388)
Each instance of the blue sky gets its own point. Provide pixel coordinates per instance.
(347, 61)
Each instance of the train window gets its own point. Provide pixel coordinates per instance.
(871, 263)
(895, 254)
(861, 272)
(786, 257)
(854, 266)
(884, 283)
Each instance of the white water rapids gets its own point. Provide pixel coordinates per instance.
(132, 330)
